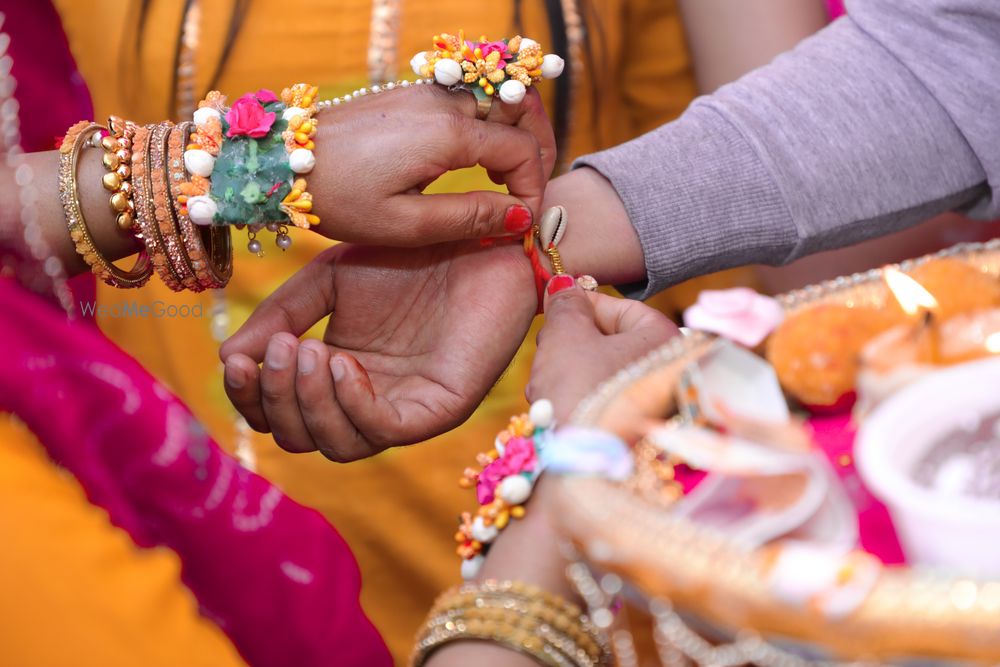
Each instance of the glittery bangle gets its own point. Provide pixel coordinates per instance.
(519, 616)
(76, 140)
(144, 206)
(163, 210)
(208, 248)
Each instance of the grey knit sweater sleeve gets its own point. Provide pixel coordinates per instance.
(886, 117)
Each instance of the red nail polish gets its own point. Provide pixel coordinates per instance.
(559, 283)
(517, 220)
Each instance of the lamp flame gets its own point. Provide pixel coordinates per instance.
(910, 294)
(993, 343)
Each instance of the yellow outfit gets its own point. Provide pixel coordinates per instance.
(397, 510)
(76, 590)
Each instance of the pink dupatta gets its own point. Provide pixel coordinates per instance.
(274, 575)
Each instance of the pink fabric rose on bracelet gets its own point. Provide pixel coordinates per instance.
(739, 314)
(518, 456)
(247, 117)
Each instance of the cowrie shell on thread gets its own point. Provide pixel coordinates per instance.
(552, 228)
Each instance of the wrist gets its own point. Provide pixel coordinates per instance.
(600, 240)
(109, 240)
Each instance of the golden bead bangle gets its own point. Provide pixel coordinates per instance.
(76, 140)
(208, 248)
(117, 180)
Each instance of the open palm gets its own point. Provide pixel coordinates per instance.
(415, 339)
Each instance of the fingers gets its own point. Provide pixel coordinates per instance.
(528, 115)
(512, 158)
(304, 299)
(510, 154)
(324, 418)
(568, 311)
(242, 382)
(278, 397)
(371, 414)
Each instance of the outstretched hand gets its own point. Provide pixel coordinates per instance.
(415, 340)
(586, 339)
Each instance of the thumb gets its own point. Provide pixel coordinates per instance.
(615, 315)
(567, 305)
(436, 218)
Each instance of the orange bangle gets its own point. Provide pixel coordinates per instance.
(142, 189)
(208, 248)
(163, 211)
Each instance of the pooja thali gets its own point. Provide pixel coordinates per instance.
(693, 576)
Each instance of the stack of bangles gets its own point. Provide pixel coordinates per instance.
(179, 187)
(518, 616)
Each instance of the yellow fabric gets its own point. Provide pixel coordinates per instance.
(76, 590)
(397, 510)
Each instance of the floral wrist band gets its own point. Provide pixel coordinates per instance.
(504, 483)
(504, 68)
(246, 162)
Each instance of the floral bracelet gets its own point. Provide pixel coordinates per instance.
(246, 162)
(503, 484)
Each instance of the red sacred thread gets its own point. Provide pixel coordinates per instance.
(542, 276)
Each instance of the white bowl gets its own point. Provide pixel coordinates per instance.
(956, 533)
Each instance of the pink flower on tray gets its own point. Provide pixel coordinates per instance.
(739, 314)
(265, 96)
(248, 118)
(518, 456)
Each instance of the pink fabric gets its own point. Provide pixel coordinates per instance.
(834, 435)
(50, 92)
(835, 8)
(274, 575)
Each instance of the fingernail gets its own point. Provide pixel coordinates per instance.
(278, 355)
(517, 219)
(234, 376)
(338, 369)
(307, 360)
(559, 283)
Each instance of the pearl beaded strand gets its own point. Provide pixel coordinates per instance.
(323, 105)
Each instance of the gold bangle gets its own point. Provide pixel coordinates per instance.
(77, 138)
(518, 616)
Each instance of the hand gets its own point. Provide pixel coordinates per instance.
(415, 340)
(587, 338)
(377, 153)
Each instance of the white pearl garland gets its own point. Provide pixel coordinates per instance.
(322, 105)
